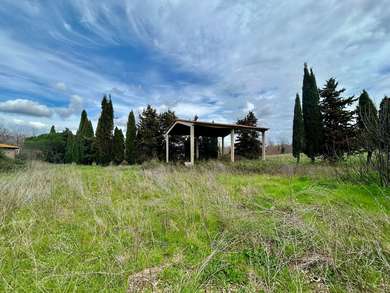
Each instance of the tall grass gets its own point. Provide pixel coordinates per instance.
(213, 227)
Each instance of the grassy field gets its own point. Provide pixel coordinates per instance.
(249, 227)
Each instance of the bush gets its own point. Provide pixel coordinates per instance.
(9, 165)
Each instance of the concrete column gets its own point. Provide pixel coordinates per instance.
(222, 146)
(263, 146)
(167, 148)
(192, 144)
(232, 145)
(197, 147)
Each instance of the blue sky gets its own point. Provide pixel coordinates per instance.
(217, 59)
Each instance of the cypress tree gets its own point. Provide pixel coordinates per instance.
(68, 158)
(311, 115)
(384, 125)
(248, 143)
(78, 140)
(118, 146)
(82, 124)
(104, 130)
(83, 141)
(338, 121)
(148, 135)
(367, 122)
(298, 130)
(131, 133)
(88, 143)
(383, 161)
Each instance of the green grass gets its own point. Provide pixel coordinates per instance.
(248, 227)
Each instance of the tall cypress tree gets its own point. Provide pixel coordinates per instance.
(367, 121)
(339, 133)
(78, 140)
(68, 158)
(118, 146)
(103, 144)
(311, 115)
(52, 130)
(88, 143)
(384, 125)
(383, 162)
(82, 124)
(148, 135)
(131, 133)
(248, 143)
(298, 130)
(83, 141)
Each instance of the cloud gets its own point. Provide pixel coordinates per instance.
(60, 86)
(212, 58)
(25, 107)
(29, 124)
(249, 107)
(189, 110)
(75, 107)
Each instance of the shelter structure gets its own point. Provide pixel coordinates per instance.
(209, 129)
(9, 150)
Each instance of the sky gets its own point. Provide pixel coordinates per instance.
(217, 59)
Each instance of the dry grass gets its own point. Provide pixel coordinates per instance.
(216, 227)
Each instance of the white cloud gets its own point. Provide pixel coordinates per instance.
(25, 107)
(37, 124)
(243, 49)
(60, 86)
(29, 124)
(189, 110)
(249, 107)
(75, 107)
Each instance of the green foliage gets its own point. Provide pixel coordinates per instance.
(84, 141)
(176, 143)
(9, 165)
(69, 156)
(118, 146)
(384, 124)
(298, 130)
(311, 115)
(131, 133)
(52, 130)
(52, 146)
(105, 126)
(248, 143)
(149, 136)
(367, 119)
(339, 132)
(208, 147)
(383, 157)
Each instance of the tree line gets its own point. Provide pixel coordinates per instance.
(143, 141)
(331, 126)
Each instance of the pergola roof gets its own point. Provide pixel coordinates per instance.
(201, 128)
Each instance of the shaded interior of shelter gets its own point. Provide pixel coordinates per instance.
(180, 129)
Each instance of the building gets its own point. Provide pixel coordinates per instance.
(10, 151)
(198, 128)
